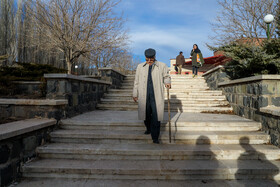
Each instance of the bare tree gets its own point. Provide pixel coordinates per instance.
(242, 18)
(7, 30)
(277, 19)
(77, 27)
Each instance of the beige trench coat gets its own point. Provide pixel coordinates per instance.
(160, 77)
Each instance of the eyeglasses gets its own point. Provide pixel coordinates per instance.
(150, 59)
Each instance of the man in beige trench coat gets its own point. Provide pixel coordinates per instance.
(150, 79)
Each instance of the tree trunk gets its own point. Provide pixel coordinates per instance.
(69, 65)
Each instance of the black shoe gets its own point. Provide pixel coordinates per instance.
(147, 132)
(156, 141)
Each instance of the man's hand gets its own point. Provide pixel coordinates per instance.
(135, 99)
(168, 86)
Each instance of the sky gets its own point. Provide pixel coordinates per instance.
(168, 26)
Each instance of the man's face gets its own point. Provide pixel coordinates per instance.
(150, 60)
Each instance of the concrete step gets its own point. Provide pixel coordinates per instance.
(182, 137)
(173, 99)
(200, 107)
(177, 108)
(174, 87)
(179, 95)
(172, 103)
(155, 169)
(175, 84)
(173, 91)
(158, 152)
(186, 77)
(197, 101)
(175, 125)
(44, 182)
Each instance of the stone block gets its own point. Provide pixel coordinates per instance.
(264, 123)
(29, 143)
(52, 86)
(62, 87)
(278, 86)
(256, 116)
(86, 87)
(222, 75)
(246, 113)
(70, 100)
(240, 100)
(6, 175)
(68, 87)
(75, 99)
(16, 149)
(20, 111)
(36, 113)
(243, 88)
(278, 124)
(251, 114)
(241, 111)
(275, 101)
(250, 88)
(4, 154)
(229, 97)
(75, 87)
(6, 111)
(57, 114)
(246, 101)
(233, 99)
(258, 102)
(272, 123)
(100, 87)
(262, 101)
(268, 87)
(238, 89)
(254, 102)
(274, 137)
(94, 88)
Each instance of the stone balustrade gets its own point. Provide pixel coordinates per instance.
(66, 95)
(256, 98)
(82, 93)
(28, 87)
(18, 142)
(113, 76)
(31, 108)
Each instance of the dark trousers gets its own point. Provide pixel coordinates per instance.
(152, 124)
(194, 70)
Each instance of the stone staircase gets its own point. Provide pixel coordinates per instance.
(109, 148)
(187, 95)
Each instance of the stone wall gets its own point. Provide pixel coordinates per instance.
(82, 94)
(18, 146)
(31, 108)
(248, 96)
(215, 76)
(66, 96)
(28, 87)
(113, 76)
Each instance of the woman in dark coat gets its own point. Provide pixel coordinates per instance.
(197, 59)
